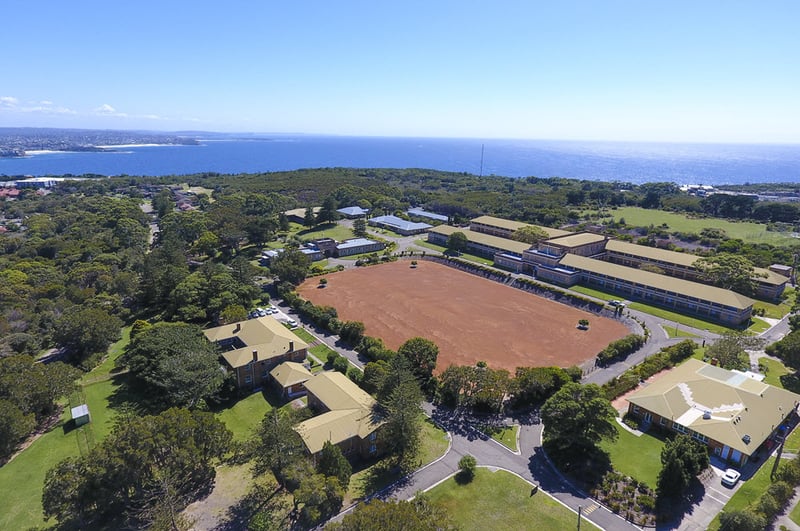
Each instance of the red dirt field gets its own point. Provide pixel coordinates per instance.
(468, 317)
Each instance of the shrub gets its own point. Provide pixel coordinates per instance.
(467, 465)
(341, 364)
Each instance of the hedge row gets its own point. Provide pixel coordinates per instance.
(576, 299)
(668, 357)
(620, 349)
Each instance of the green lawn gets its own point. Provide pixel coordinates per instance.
(321, 352)
(758, 325)
(304, 335)
(597, 294)
(749, 493)
(794, 516)
(502, 501)
(637, 457)
(774, 370)
(777, 311)
(328, 230)
(677, 331)
(22, 479)
(243, 416)
(507, 435)
(434, 442)
(746, 231)
(679, 318)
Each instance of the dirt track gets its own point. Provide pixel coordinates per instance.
(468, 317)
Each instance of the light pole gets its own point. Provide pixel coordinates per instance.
(579, 517)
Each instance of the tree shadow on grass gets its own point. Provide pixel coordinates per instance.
(130, 397)
(267, 503)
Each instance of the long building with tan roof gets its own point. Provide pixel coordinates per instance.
(729, 411)
(253, 348)
(348, 417)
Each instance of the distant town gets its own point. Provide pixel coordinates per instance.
(19, 141)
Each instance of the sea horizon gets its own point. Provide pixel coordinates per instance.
(634, 162)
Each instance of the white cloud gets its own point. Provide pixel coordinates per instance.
(8, 102)
(108, 110)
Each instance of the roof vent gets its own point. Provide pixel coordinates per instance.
(746, 439)
(706, 415)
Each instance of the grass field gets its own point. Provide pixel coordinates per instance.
(328, 230)
(21, 480)
(637, 457)
(774, 370)
(507, 436)
(777, 311)
(505, 501)
(749, 493)
(677, 331)
(746, 231)
(244, 415)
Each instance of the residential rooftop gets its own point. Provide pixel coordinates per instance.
(726, 406)
(351, 411)
(264, 335)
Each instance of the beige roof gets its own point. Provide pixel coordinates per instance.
(351, 412)
(576, 239)
(290, 373)
(653, 253)
(771, 277)
(301, 212)
(485, 239)
(516, 225)
(264, 335)
(682, 259)
(736, 405)
(663, 282)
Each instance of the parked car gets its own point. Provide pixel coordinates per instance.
(261, 312)
(291, 322)
(730, 477)
(615, 303)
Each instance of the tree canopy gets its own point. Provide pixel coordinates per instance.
(729, 271)
(577, 417)
(530, 234)
(146, 465)
(290, 266)
(682, 459)
(175, 363)
(422, 354)
(457, 242)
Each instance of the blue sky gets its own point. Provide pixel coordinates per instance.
(699, 71)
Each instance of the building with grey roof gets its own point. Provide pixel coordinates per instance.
(399, 225)
(353, 212)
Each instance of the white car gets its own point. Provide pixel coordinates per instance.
(730, 477)
(291, 322)
(261, 312)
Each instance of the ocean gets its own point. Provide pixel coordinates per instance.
(633, 162)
